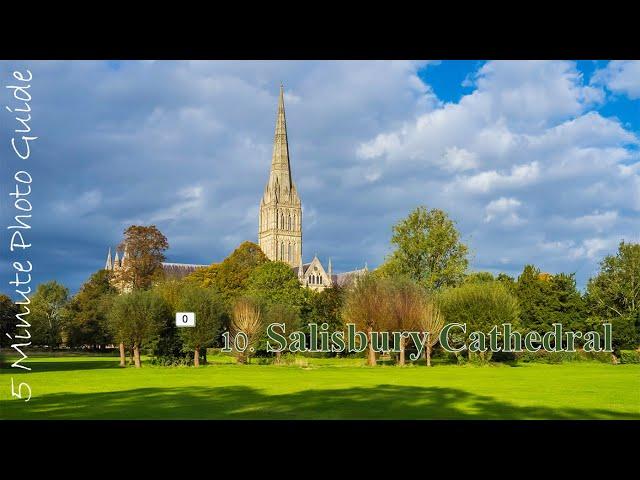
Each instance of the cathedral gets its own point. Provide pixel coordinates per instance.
(279, 223)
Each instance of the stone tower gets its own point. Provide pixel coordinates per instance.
(280, 222)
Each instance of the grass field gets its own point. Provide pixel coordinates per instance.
(93, 387)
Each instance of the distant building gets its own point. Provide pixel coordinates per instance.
(279, 225)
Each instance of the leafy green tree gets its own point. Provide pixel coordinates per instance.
(8, 321)
(566, 304)
(209, 310)
(286, 315)
(231, 276)
(326, 307)
(480, 306)
(275, 283)
(136, 318)
(87, 311)
(547, 299)
(47, 314)
(613, 295)
(478, 277)
(428, 250)
(534, 291)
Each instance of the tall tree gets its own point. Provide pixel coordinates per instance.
(547, 299)
(47, 314)
(613, 295)
(8, 321)
(136, 319)
(144, 248)
(209, 310)
(405, 302)
(366, 306)
(326, 307)
(431, 321)
(87, 312)
(428, 250)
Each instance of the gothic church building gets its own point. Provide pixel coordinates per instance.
(279, 223)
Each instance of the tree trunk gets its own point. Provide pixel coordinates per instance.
(123, 357)
(204, 356)
(131, 356)
(427, 353)
(372, 354)
(136, 355)
(401, 359)
(278, 357)
(196, 357)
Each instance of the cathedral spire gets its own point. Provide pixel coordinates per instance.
(280, 157)
(108, 265)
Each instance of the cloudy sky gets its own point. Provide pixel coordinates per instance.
(537, 162)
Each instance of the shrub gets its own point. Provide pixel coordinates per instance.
(172, 361)
(629, 356)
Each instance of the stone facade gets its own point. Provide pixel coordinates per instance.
(280, 220)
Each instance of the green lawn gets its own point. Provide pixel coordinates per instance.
(92, 387)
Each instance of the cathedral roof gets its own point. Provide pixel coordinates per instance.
(180, 270)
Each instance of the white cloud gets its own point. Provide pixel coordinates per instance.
(525, 150)
(458, 159)
(620, 76)
(504, 209)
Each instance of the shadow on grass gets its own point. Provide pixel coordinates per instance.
(239, 402)
(70, 366)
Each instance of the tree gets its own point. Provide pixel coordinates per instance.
(209, 310)
(144, 248)
(136, 318)
(204, 276)
(432, 321)
(231, 276)
(286, 315)
(8, 320)
(326, 307)
(247, 319)
(534, 291)
(275, 283)
(47, 314)
(87, 312)
(613, 295)
(405, 302)
(480, 306)
(478, 277)
(366, 306)
(428, 250)
(547, 299)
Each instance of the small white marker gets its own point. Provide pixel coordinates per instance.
(185, 319)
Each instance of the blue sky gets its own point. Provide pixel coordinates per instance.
(537, 162)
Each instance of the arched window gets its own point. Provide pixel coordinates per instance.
(320, 279)
(288, 252)
(276, 219)
(282, 251)
(282, 221)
